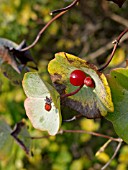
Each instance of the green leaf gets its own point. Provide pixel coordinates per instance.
(12, 75)
(37, 91)
(118, 81)
(91, 102)
(5, 139)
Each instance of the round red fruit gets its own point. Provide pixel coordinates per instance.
(48, 107)
(77, 77)
(48, 102)
(88, 81)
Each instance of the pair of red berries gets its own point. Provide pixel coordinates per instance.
(79, 78)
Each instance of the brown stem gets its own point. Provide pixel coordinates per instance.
(66, 8)
(110, 58)
(42, 30)
(91, 133)
(72, 93)
(62, 12)
(82, 131)
(116, 42)
(15, 134)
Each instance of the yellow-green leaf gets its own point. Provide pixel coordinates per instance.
(90, 102)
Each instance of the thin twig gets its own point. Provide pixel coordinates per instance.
(113, 156)
(17, 129)
(110, 58)
(91, 133)
(116, 42)
(100, 51)
(62, 12)
(42, 30)
(103, 49)
(80, 131)
(102, 148)
(94, 134)
(118, 19)
(65, 8)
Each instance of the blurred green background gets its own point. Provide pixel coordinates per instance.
(86, 31)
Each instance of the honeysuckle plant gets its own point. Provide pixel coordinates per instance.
(76, 84)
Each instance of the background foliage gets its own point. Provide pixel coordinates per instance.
(86, 31)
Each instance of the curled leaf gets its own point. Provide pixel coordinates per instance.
(10, 53)
(5, 55)
(91, 102)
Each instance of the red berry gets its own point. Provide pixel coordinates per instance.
(77, 77)
(48, 102)
(88, 81)
(48, 107)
